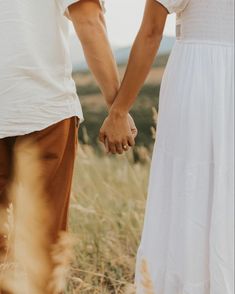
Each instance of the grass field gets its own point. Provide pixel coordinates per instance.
(109, 194)
(107, 212)
(106, 218)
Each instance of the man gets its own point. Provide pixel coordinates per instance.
(38, 98)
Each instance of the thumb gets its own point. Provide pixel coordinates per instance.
(134, 132)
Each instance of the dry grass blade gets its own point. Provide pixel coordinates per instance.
(146, 282)
(155, 118)
(7, 265)
(31, 236)
(130, 289)
(62, 257)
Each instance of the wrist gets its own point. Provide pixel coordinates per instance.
(109, 105)
(117, 112)
(109, 101)
(111, 95)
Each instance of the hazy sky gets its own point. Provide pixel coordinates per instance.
(124, 18)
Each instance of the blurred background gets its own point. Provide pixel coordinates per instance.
(123, 21)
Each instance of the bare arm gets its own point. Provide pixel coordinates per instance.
(115, 128)
(142, 56)
(88, 19)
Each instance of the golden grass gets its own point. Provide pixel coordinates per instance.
(107, 212)
(107, 209)
(32, 263)
(146, 281)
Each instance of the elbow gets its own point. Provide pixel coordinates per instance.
(92, 20)
(89, 26)
(152, 36)
(89, 21)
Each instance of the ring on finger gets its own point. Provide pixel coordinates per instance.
(125, 147)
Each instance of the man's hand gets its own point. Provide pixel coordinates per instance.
(118, 133)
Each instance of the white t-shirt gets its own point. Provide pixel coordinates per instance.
(36, 86)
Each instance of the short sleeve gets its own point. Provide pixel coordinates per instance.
(64, 4)
(174, 6)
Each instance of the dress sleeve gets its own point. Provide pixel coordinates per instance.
(174, 5)
(64, 4)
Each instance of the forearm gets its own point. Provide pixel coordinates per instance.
(141, 59)
(93, 36)
(142, 56)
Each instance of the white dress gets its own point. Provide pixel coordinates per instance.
(187, 244)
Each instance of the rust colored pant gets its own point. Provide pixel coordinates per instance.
(57, 148)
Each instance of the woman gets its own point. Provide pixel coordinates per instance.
(187, 242)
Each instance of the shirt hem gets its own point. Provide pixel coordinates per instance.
(43, 126)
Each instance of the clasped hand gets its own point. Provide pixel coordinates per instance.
(118, 133)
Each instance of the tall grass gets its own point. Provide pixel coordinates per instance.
(107, 210)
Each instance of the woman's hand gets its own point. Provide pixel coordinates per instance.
(118, 133)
